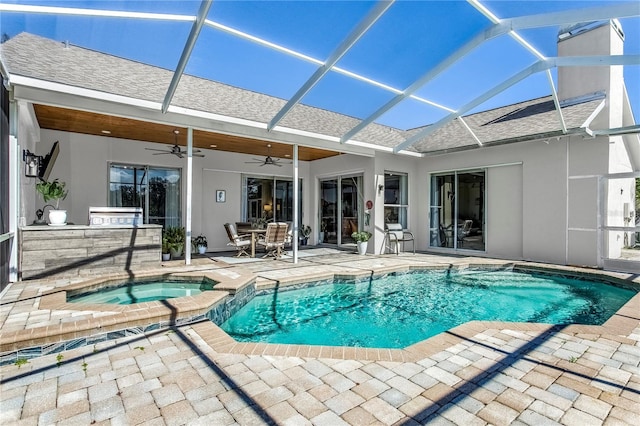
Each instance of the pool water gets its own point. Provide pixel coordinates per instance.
(398, 310)
(138, 292)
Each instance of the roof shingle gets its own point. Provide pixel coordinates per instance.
(41, 58)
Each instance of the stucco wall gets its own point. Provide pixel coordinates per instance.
(527, 195)
(541, 197)
(84, 160)
(28, 139)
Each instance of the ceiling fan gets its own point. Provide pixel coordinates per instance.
(268, 160)
(175, 149)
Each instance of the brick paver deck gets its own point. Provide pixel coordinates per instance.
(478, 373)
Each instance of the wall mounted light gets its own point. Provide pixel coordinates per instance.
(380, 189)
(32, 163)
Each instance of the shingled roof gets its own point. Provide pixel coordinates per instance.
(40, 58)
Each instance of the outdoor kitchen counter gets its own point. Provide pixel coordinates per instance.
(78, 250)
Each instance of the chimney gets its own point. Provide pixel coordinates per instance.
(588, 39)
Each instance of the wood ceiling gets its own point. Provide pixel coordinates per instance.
(89, 123)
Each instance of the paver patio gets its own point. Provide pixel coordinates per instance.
(478, 373)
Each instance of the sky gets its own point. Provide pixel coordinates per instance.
(408, 41)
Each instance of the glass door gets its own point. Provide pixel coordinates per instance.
(457, 210)
(442, 210)
(620, 222)
(350, 208)
(269, 199)
(329, 211)
(340, 209)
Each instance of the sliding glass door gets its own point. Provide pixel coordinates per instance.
(329, 211)
(340, 209)
(269, 199)
(457, 210)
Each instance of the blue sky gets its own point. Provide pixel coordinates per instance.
(410, 39)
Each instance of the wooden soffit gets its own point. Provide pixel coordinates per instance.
(89, 123)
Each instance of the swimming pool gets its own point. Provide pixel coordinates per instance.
(140, 291)
(398, 310)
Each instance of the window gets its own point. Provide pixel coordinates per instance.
(155, 189)
(269, 199)
(457, 210)
(396, 204)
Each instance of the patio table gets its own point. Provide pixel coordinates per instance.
(254, 236)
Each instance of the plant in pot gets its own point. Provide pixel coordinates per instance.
(361, 238)
(305, 233)
(54, 191)
(166, 255)
(175, 236)
(200, 243)
(323, 229)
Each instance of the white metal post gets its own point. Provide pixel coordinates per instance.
(14, 201)
(296, 204)
(187, 242)
(14, 189)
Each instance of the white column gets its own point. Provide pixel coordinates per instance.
(187, 242)
(296, 204)
(14, 189)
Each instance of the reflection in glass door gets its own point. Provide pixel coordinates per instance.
(269, 199)
(350, 208)
(340, 209)
(329, 211)
(155, 189)
(457, 210)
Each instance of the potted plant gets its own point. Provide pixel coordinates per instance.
(361, 238)
(175, 236)
(305, 233)
(166, 255)
(323, 229)
(54, 191)
(200, 243)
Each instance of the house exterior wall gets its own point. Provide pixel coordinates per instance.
(28, 138)
(613, 154)
(530, 194)
(417, 199)
(579, 81)
(83, 163)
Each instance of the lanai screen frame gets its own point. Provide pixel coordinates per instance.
(499, 27)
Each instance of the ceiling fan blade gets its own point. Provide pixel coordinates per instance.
(162, 153)
(153, 149)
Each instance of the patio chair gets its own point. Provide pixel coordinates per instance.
(396, 235)
(464, 231)
(242, 227)
(288, 239)
(442, 236)
(274, 239)
(240, 243)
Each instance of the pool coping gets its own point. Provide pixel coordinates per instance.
(621, 324)
(113, 318)
(229, 280)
